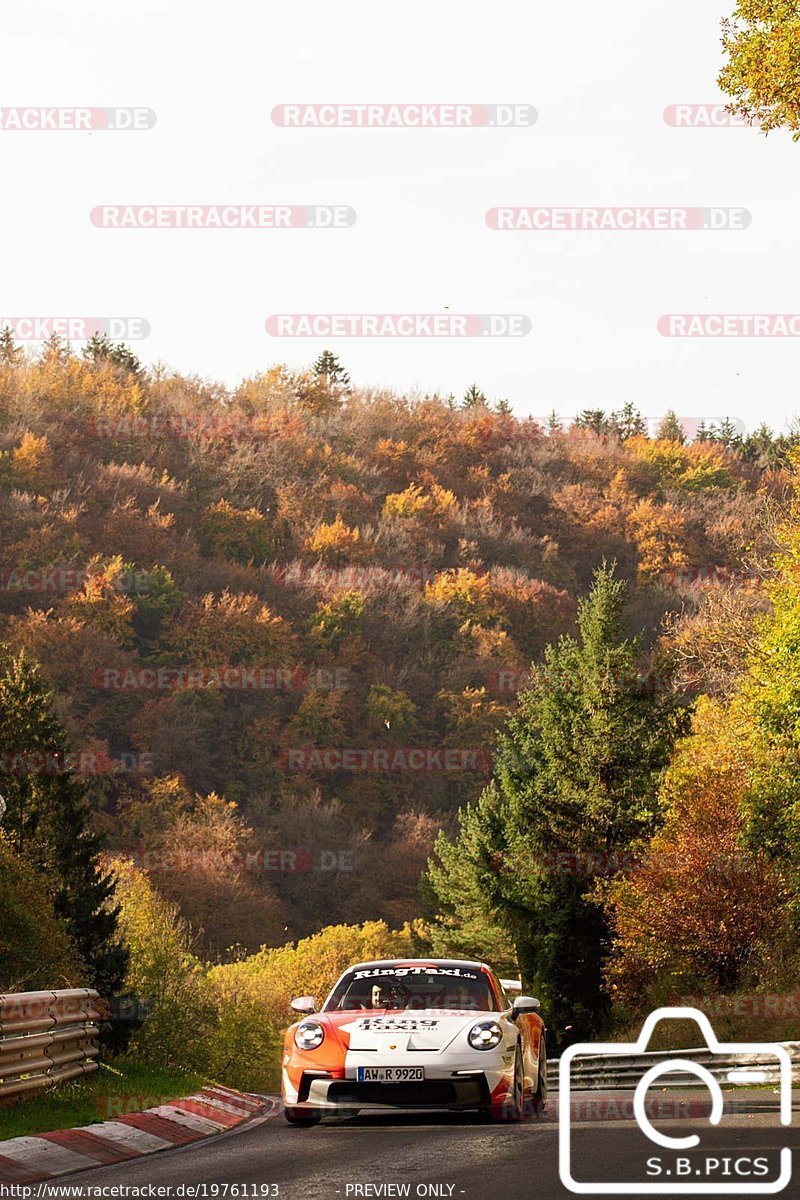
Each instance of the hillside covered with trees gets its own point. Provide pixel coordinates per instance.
(227, 591)
(284, 625)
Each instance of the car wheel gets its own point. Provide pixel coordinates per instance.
(540, 1095)
(300, 1116)
(513, 1107)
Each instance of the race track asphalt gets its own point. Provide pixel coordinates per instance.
(440, 1155)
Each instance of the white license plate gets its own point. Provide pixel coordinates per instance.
(390, 1074)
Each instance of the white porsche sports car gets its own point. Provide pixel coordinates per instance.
(423, 1033)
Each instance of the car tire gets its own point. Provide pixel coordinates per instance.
(301, 1116)
(513, 1108)
(540, 1095)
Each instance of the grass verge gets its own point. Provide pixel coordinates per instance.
(120, 1086)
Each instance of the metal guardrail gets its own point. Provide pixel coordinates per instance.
(47, 1038)
(622, 1073)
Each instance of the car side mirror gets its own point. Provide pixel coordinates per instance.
(524, 1004)
(305, 1004)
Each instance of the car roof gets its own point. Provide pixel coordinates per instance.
(449, 963)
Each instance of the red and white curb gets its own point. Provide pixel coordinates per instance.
(45, 1156)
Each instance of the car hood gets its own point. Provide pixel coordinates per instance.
(403, 1029)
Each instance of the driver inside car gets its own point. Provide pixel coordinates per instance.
(387, 997)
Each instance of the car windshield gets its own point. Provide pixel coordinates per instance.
(371, 988)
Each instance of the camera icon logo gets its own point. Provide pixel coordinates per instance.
(678, 1171)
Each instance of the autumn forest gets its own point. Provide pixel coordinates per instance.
(285, 624)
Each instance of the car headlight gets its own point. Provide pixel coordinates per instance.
(485, 1036)
(309, 1035)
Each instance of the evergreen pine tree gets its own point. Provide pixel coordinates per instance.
(670, 429)
(48, 820)
(328, 367)
(100, 348)
(761, 447)
(455, 887)
(474, 398)
(593, 420)
(10, 352)
(727, 433)
(554, 424)
(628, 423)
(576, 783)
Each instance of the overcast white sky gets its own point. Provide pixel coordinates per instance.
(600, 77)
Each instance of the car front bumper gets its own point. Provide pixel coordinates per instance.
(465, 1091)
(459, 1082)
